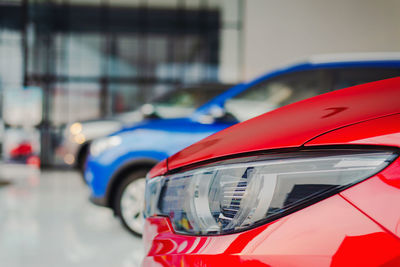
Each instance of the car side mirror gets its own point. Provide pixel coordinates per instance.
(149, 111)
(217, 112)
(214, 114)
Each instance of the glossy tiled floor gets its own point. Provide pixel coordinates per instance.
(47, 220)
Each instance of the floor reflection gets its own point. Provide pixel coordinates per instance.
(47, 221)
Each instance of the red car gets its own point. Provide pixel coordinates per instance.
(314, 183)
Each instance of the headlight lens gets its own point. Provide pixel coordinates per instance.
(236, 195)
(75, 128)
(100, 145)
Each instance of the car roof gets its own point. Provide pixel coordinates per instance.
(353, 57)
(295, 124)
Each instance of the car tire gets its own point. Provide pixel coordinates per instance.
(129, 201)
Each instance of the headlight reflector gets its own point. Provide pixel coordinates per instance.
(236, 195)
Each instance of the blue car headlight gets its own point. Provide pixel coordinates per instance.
(98, 146)
(235, 195)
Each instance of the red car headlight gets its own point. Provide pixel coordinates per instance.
(235, 195)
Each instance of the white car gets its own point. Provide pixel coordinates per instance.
(175, 104)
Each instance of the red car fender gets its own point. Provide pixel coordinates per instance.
(378, 197)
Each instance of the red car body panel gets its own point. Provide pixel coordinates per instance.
(357, 227)
(375, 196)
(287, 127)
(379, 198)
(382, 131)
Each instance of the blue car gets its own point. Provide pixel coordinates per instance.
(117, 165)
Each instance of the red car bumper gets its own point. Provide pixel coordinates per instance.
(358, 227)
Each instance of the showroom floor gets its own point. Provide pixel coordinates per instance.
(47, 220)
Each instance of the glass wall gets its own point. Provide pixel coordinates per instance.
(95, 59)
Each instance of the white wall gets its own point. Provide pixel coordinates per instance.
(230, 47)
(278, 32)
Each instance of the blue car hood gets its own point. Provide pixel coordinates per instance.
(158, 139)
(173, 125)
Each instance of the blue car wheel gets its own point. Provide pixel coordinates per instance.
(129, 201)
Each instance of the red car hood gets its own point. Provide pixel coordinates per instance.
(295, 124)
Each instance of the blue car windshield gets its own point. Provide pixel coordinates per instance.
(291, 87)
(182, 102)
(188, 98)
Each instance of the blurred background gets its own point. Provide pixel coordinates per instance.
(89, 59)
(64, 61)
(68, 61)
